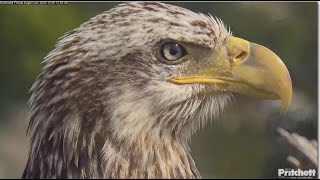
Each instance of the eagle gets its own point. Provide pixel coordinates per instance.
(121, 95)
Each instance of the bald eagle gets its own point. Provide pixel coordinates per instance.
(121, 95)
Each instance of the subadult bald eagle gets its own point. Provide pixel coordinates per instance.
(120, 96)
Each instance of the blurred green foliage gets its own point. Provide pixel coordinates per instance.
(27, 34)
(238, 146)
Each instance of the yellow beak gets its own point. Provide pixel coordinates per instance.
(254, 70)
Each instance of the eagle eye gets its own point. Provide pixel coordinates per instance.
(171, 51)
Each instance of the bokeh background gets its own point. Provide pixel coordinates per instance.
(242, 144)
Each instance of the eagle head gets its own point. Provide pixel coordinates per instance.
(121, 95)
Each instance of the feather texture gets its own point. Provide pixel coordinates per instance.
(102, 106)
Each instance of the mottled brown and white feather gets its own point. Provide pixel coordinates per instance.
(102, 106)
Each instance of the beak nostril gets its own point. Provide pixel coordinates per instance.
(238, 50)
(243, 55)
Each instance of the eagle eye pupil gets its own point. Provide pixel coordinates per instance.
(171, 51)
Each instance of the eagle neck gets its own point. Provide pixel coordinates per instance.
(148, 158)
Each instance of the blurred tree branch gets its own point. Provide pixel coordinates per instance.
(303, 152)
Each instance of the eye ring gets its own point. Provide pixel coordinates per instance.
(171, 51)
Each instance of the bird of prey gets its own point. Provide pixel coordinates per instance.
(121, 95)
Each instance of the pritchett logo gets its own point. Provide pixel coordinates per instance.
(311, 173)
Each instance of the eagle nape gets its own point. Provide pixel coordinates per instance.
(121, 95)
